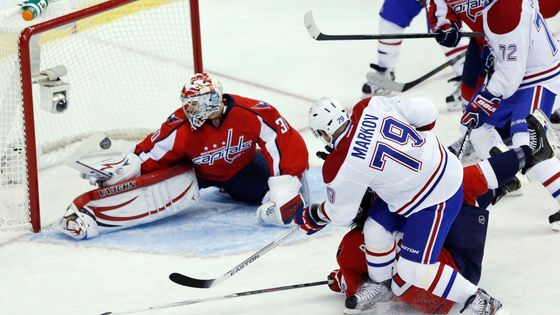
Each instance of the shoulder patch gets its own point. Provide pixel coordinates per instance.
(261, 105)
(504, 16)
(173, 119)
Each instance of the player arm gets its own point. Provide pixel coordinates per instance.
(161, 149)
(283, 146)
(344, 195)
(507, 28)
(419, 112)
(439, 14)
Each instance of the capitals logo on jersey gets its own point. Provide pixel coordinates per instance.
(471, 8)
(229, 152)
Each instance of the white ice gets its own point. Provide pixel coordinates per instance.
(261, 49)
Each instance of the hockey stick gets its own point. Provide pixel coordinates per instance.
(465, 138)
(317, 35)
(222, 297)
(94, 143)
(379, 80)
(207, 283)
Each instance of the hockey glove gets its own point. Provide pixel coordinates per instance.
(281, 202)
(120, 168)
(336, 281)
(448, 35)
(311, 219)
(480, 108)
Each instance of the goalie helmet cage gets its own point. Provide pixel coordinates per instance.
(127, 61)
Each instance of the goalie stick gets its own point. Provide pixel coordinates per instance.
(221, 297)
(187, 281)
(314, 31)
(378, 80)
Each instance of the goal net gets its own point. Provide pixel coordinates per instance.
(126, 62)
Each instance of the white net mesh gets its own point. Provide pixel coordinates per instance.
(125, 67)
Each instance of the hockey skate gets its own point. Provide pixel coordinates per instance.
(369, 294)
(538, 141)
(481, 303)
(555, 117)
(550, 132)
(369, 88)
(554, 220)
(512, 185)
(454, 101)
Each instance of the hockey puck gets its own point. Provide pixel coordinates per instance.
(105, 143)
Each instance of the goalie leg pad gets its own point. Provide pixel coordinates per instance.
(141, 200)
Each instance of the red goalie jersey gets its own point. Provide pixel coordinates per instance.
(222, 147)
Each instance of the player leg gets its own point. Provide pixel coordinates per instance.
(526, 101)
(137, 201)
(424, 234)
(380, 252)
(251, 183)
(395, 16)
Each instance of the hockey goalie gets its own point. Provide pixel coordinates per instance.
(240, 145)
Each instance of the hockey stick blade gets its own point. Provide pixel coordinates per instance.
(314, 31)
(87, 169)
(187, 281)
(380, 81)
(222, 297)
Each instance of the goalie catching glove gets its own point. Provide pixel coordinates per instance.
(121, 168)
(282, 201)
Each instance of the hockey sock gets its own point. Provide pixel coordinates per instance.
(380, 258)
(505, 165)
(548, 173)
(438, 279)
(380, 263)
(388, 50)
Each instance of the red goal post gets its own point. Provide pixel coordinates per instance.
(121, 56)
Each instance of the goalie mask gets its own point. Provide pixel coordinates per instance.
(201, 98)
(328, 115)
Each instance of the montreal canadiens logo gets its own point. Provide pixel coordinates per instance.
(330, 194)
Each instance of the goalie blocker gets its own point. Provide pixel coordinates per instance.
(131, 202)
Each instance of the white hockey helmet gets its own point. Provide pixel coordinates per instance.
(327, 114)
(201, 98)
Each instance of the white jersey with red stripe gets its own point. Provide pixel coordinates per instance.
(389, 147)
(525, 50)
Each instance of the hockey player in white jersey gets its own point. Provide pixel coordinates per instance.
(387, 146)
(526, 77)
